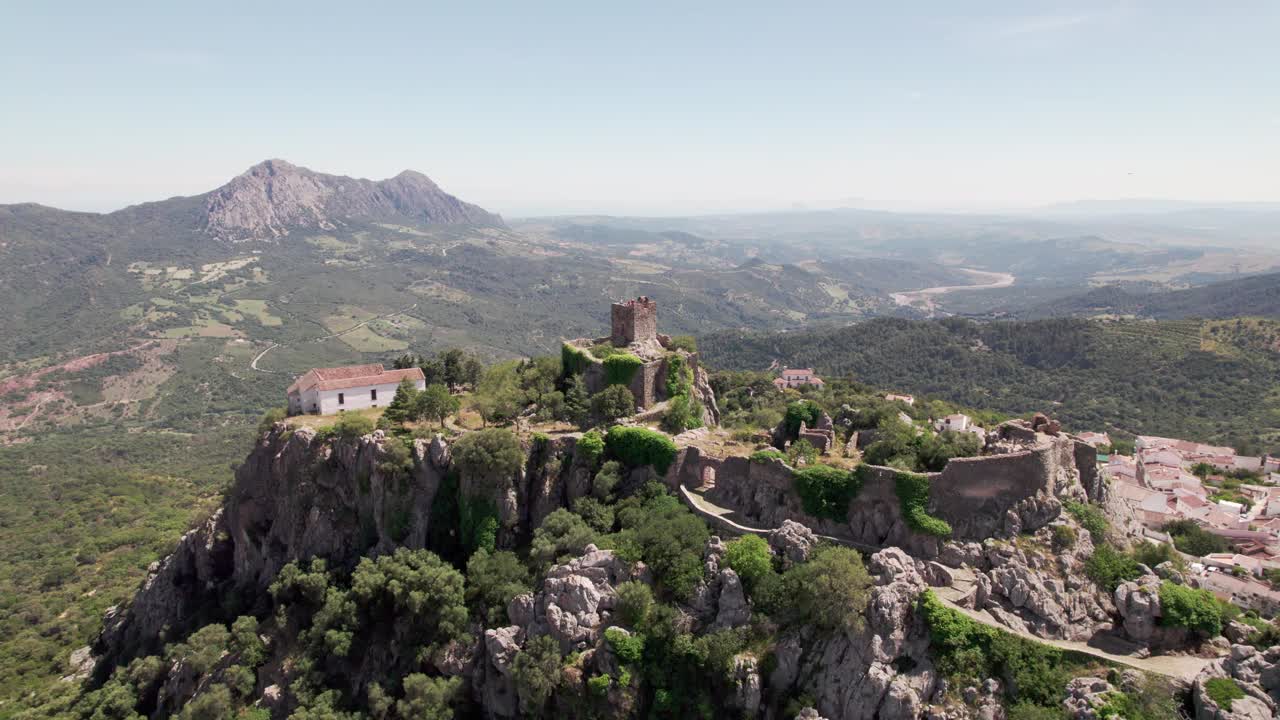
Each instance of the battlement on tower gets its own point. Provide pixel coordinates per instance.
(634, 321)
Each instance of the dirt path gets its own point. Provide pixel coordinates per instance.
(1175, 666)
(253, 364)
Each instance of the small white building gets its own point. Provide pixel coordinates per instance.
(326, 391)
(954, 423)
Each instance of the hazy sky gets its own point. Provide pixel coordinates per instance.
(652, 107)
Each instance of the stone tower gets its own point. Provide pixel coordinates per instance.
(634, 321)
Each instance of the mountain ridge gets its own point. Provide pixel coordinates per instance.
(273, 197)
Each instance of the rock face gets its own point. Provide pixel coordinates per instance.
(274, 196)
(856, 675)
(1256, 673)
(793, 542)
(575, 600)
(297, 497)
(1043, 593)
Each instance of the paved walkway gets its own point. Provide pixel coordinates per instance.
(1184, 667)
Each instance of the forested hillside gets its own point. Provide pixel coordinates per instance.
(1257, 296)
(1206, 380)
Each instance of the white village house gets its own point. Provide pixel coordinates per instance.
(329, 390)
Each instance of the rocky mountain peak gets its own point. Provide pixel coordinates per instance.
(275, 196)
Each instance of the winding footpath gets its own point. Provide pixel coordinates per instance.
(1181, 667)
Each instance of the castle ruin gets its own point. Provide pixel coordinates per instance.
(634, 321)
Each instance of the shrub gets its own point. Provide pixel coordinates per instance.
(492, 580)
(1152, 554)
(1108, 567)
(270, 418)
(493, 453)
(1223, 691)
(590, 447)
(825, 491)
(638, 446)
(1192, 539)
(1064, 537)
(536, 671)
(628, 647)
(679, 376)
(396, 460)
(596, 514)
(606, 480)
(760, 456)
(561, 535)
(1090, 517)
(801, 411)
(599, 685)
(1190, 608)
(802, 452)
(830, 591)
(633, 604)
(613, 403)
(683, 413)
(350, 426)
(749, 556)
(620, 368)
(913, 496)
(967, 651)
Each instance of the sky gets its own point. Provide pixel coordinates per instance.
(653, 108)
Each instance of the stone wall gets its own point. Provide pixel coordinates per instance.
(981, 497)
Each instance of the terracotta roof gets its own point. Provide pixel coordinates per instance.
(797, 371)
(353, 376)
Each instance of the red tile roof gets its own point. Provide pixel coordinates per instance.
(353, 376)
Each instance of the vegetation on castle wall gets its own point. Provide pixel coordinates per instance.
(684, 412)
(825, 491)
(640, 446)
(761, 456)
(573, 361)
(913, 495)
(620, 368)
(590, 447)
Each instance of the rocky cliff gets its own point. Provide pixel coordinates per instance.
(274, 196)
(299, 496)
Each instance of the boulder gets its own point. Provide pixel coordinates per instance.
(732, 607)
(793, 542)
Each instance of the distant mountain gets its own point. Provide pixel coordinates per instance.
(1254, 296)
(274, 196)
(1151, 206)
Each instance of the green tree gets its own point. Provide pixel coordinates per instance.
(351, 426)
(613, 403)
(403, 407)
(635, 599)
(595, 513)
(436, 403)
(428, 698)
(492, 580)
(830, 591)
(536, 670)
(577, 402)
(498, 396)
(494, 454)
(561, 535)
(1191, 608)
(603, 484)
(1108, 567)
(750, 557)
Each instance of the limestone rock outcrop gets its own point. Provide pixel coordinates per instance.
(273, 197)
(793, 542)
(1255, 673)
(856, 675)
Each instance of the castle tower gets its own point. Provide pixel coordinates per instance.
(634, 321)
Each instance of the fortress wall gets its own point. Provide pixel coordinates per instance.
(979, 497)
